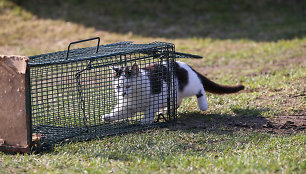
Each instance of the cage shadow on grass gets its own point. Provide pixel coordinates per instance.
(181, 19)
(250, 119)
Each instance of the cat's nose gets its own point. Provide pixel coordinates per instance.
(123, 94)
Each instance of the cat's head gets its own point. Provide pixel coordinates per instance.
(126, 71)
(125, 79)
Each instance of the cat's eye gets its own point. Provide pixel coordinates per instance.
(127, 86)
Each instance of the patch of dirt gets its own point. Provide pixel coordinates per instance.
(213, 70)
(234, 65)
(292, 61)
(278, 125)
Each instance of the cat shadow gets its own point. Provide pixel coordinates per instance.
(246, 119)
(177, 19)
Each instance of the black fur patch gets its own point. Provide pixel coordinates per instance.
(213, 87)
(126, 71)
(199, 94)
(118, 72)
(157, 75)
(182, 76)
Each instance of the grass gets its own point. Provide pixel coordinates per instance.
(259, 44)
(182, 151)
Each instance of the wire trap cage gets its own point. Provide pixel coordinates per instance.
(91, 92)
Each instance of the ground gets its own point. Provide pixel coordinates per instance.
(261, 45)
(282, 123)
(278, 125)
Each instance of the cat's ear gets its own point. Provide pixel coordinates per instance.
(135, 69)
(117, 71)
(114, 68)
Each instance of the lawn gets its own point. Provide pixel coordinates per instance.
(259, 44)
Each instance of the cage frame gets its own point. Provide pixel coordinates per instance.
(34, 140)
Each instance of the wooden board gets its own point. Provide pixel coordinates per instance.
(14, 120)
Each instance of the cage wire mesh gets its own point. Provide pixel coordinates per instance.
(75, 94)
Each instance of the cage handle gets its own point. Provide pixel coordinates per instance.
(83, 41)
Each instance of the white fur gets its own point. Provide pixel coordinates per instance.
(193, 87)
(138, 97)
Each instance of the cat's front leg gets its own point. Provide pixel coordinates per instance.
(109, 117)
(118, 113)
(149, 116)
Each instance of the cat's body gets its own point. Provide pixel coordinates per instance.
(146, 89)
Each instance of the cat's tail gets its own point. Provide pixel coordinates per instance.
(215, 88)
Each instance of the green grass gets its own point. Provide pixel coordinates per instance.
(259, 44)
(182, 151)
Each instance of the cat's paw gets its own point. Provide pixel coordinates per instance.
(145, 121)
(108, 118)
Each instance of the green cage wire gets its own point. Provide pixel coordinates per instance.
(72, 91)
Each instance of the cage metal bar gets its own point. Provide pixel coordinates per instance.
(70, 97)
(28, 109)
(98, 38)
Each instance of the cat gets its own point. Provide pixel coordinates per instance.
(146, 89)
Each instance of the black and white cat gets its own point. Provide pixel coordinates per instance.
(146, 89)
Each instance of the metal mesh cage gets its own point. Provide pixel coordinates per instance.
(97, 91)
